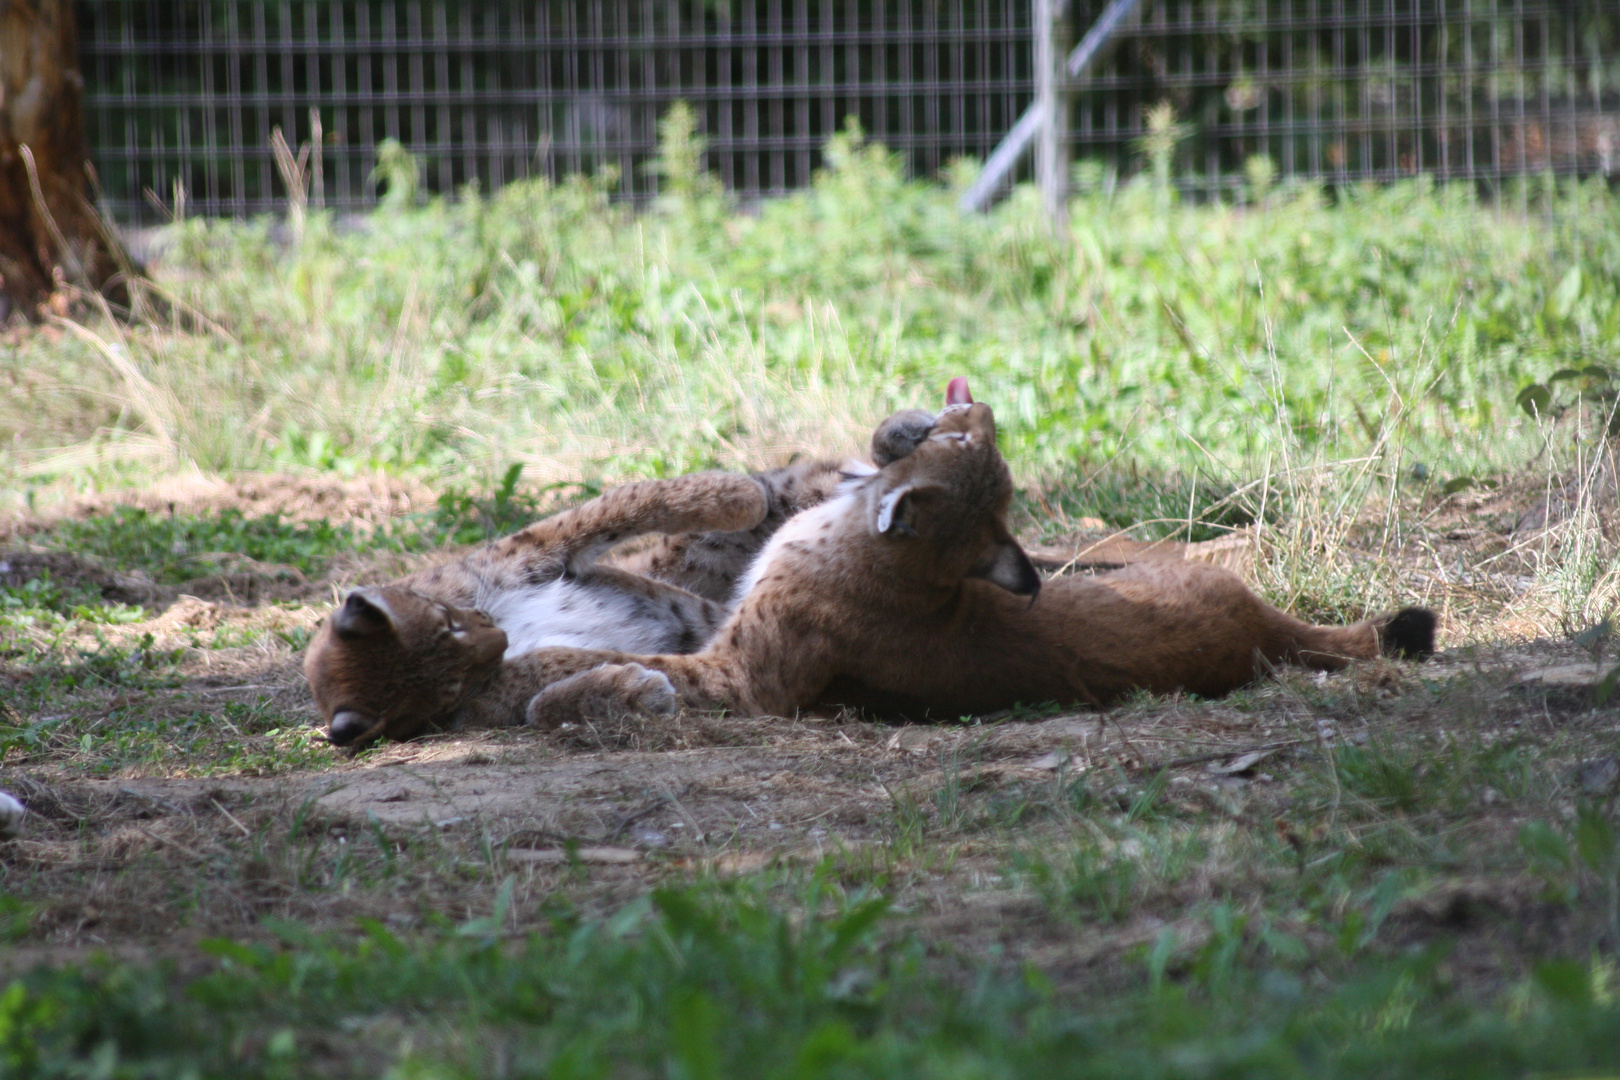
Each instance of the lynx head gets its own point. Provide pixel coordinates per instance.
(941, 496)
(391, 662)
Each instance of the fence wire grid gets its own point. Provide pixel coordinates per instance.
(182, 95)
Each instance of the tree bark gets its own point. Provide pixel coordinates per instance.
(50, 232)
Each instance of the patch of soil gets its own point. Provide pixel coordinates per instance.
(241, 581)
(372, 499)
(103, 858)
(18, 567)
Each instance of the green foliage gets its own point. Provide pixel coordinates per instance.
(67, 653)
(464, 518)
(1151, 505)
(545, 323)
(42, 599)
(174, 548)
(1094, 883)
(719, 981)
(396, 174)
(1580, 859)
(1567, 388)
(58, 713)
(1387, 779)
(1159, 143)
(688, 196)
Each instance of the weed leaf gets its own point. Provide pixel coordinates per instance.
(1565, 982)
(1605, 687)
(1544, 845)
(1595, 838)
(1535, 400)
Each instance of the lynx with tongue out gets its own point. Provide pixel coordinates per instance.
(907, 591)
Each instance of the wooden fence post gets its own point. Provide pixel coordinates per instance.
(1052, 100)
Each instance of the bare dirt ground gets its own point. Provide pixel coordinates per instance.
(372, 499)
(197, 799)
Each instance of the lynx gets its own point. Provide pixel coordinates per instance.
(420, 652)
(905, 590)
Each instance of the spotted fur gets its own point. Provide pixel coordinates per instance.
(906, 590)
(425, 650)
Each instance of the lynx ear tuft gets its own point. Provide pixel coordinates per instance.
(365, 612)
(1007, 565)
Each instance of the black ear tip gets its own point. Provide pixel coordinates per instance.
(1026, 579)
(1033, 592)
(360, 615)
(1409, 634)
(1010, 569)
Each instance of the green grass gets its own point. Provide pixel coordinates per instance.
(545, 325)
(41, 600)
(100, 711)
(172, 549)
(713, 981)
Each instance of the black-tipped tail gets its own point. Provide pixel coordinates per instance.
(1409, 634)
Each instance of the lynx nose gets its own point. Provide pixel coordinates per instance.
(347, 726)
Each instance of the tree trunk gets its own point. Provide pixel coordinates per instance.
(50, 232)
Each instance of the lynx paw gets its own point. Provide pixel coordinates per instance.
(649, 691)
(605, 693)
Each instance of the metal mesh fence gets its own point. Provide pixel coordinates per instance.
(1346, 90)
(186, 92)
(182, 95)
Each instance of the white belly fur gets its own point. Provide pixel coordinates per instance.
(805, 527)
(564, 613)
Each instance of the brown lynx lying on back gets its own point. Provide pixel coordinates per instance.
(422, 651)
(906, 588)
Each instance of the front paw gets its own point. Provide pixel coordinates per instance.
(609, 692)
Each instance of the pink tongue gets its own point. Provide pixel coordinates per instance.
(957, 392)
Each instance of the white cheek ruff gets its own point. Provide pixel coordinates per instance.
(814, 526)
(566, 614)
